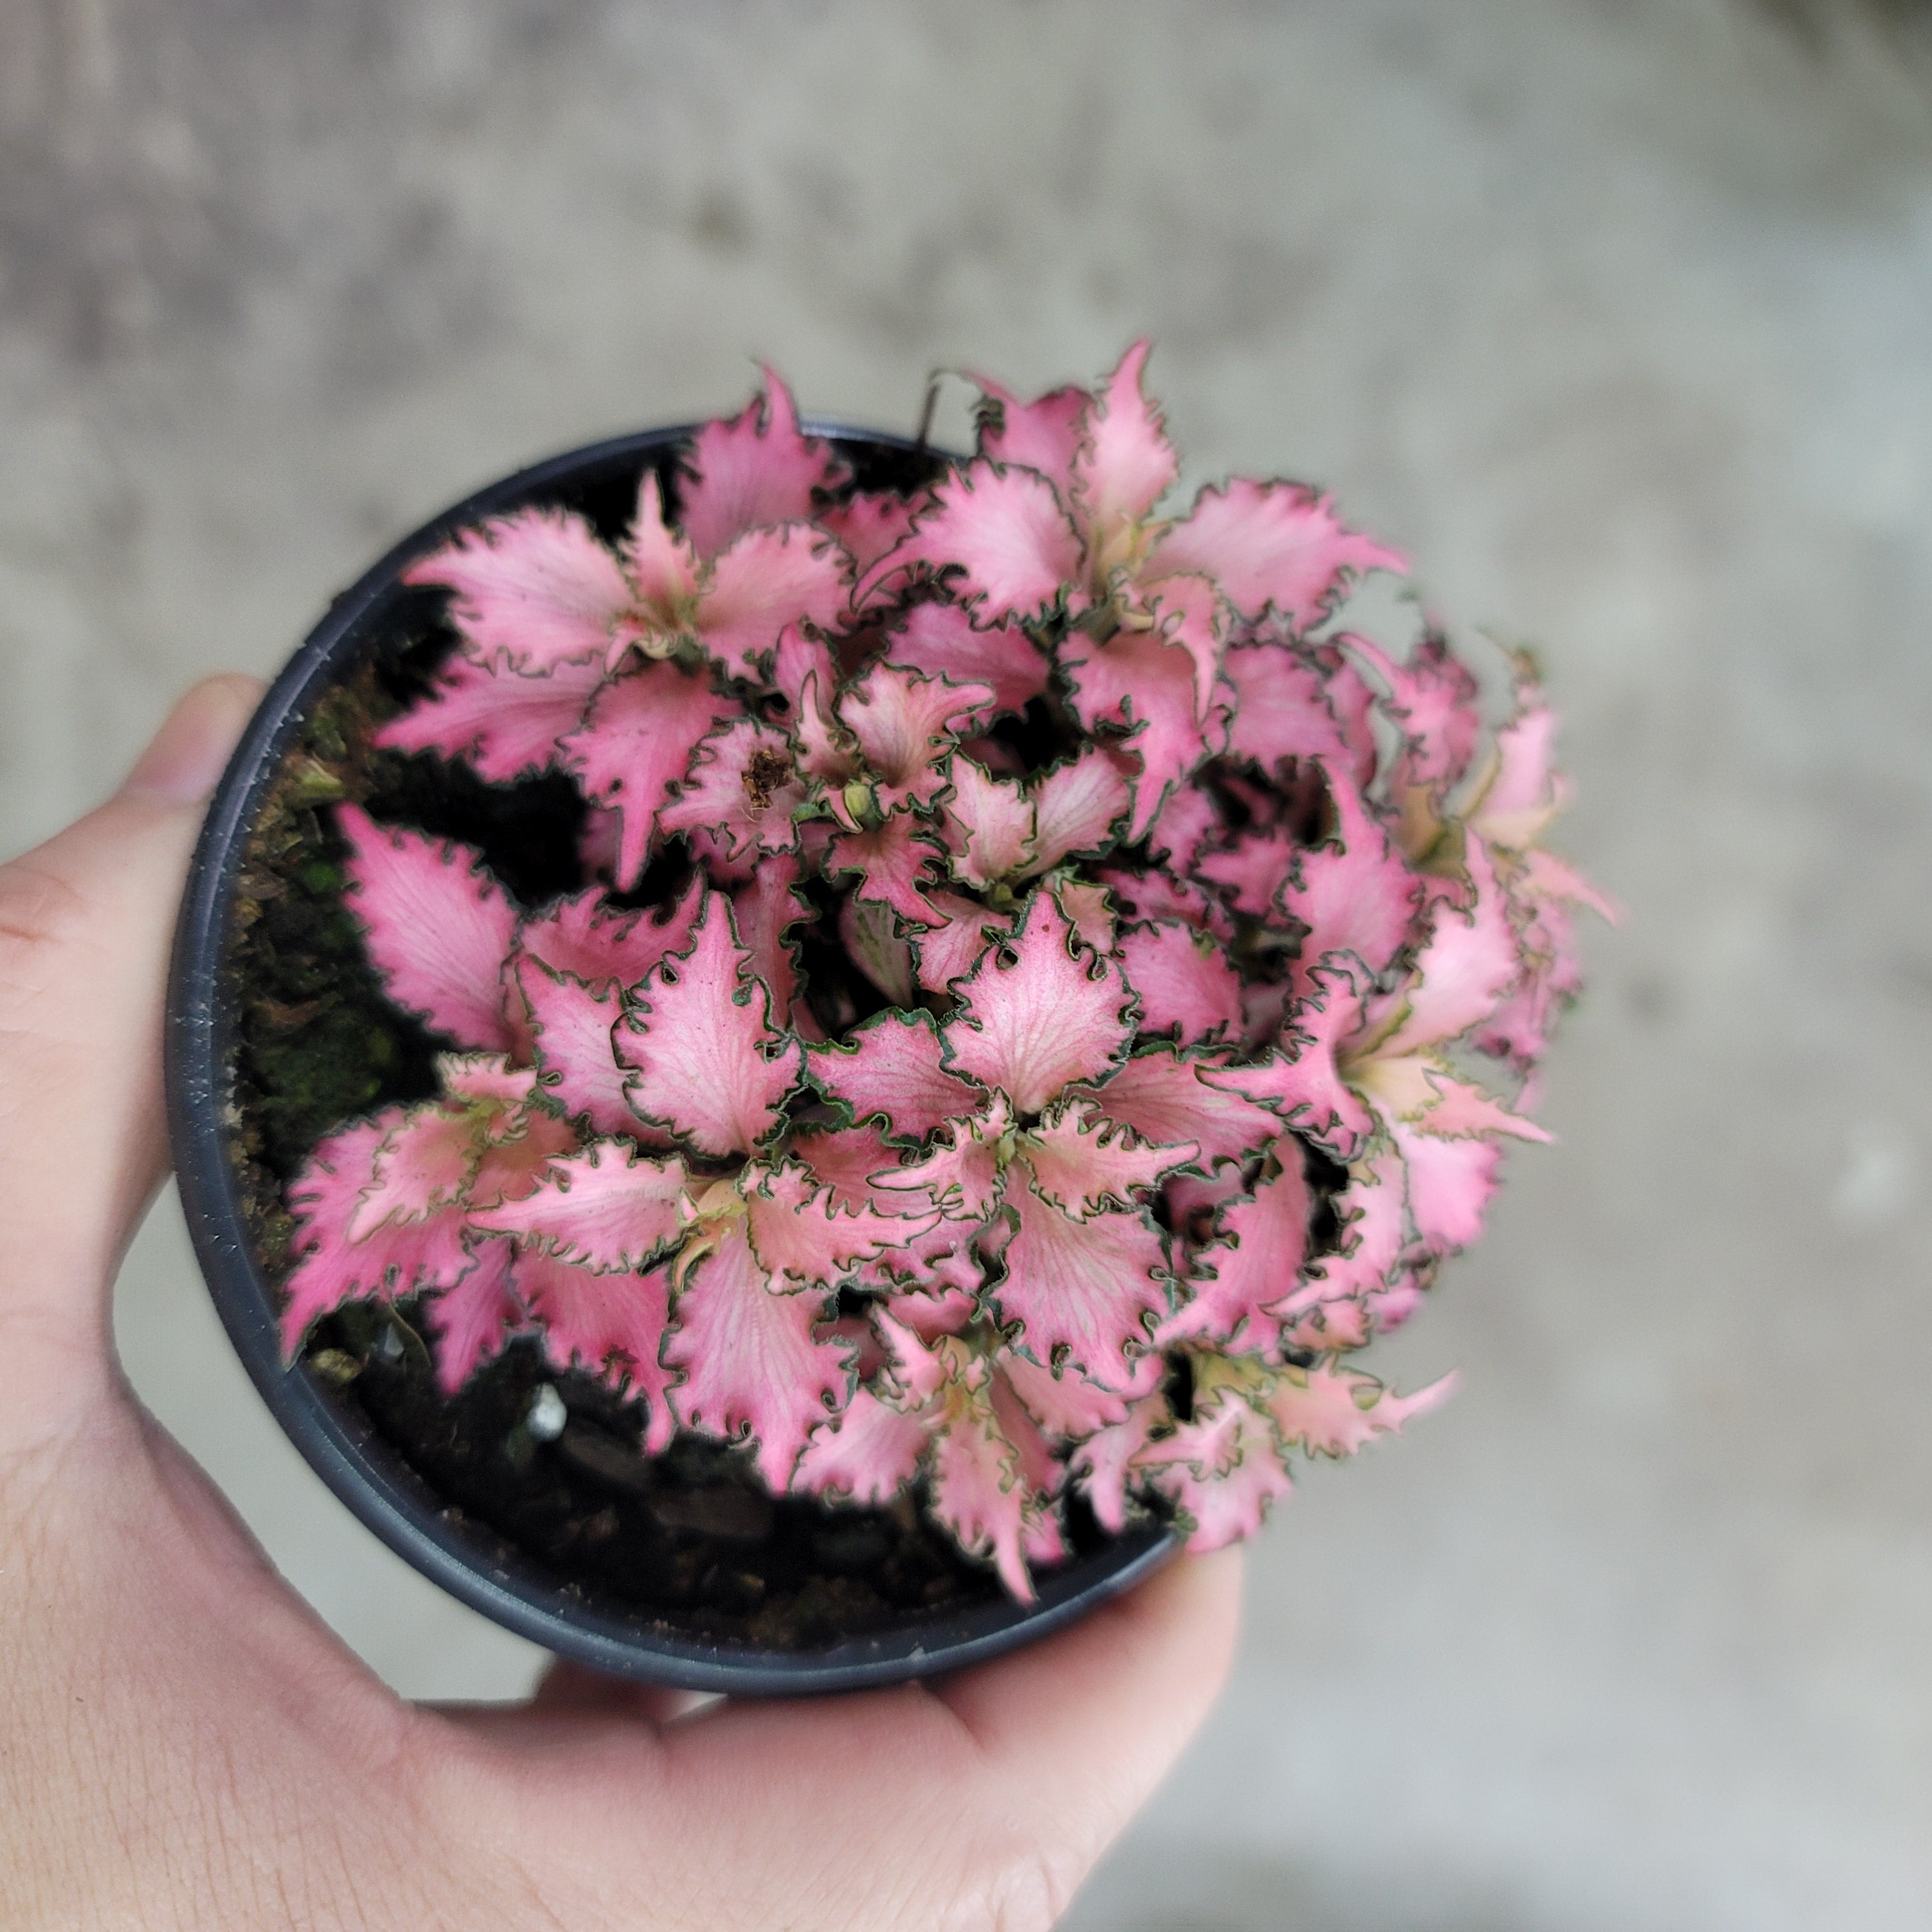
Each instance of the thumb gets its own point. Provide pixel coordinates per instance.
(85, 922)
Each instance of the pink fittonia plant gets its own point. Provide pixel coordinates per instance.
(1179, 958)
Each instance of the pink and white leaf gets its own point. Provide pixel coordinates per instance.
(1304, 1084)
(581, 937)
(533, 589)
(742, 785)
(803, 1237)
(712, 1066)
(1057, 1013)
(1087, 1294)
(1076, 805)
(1283, 712)
(966, 931)
(1104, 1465)
(940, 639)
(763, 911)
(1333, 1412)
(1472, 960)
(1070, 1407)
(1185, 985)
(867, 526)
(438, 927)
(471, 1319)
(425, 1162)
(1084, 1162)
(507, 724)
(1237, 1279)
(571, 1026)
(1276, 545)
(635, 743)
(1450, 1184)
(894, 861)
(1001, 538)
(1043, 434)
(962, 1176)
(1124, 463)
(611, 1324)
(867, 1455)
(904, 724)
(754, 468)
(893, 1069)
(1433, 698)
(991, 826)
(1223, 1469)
(752, 1361)
(766, 581)
(977, 1491)
(1167, 1098)
(604, 1209)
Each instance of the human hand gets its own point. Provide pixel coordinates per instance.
(183, 1744)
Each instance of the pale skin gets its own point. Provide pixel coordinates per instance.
(183, 1744)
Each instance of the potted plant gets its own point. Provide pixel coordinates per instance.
(792, 1058)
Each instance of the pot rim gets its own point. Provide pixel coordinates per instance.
(364, 1472)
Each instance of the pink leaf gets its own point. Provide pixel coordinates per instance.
(802, 1237)
(990, 824)
(1450, 1184)
(1068, 1406)
(474, 1316)
(1124, 464)
(904, 723)
(1041, 435)
(764, 911)
(576, 1055)
(1138, 681)
(663, 570)
(752, 1363)
(1157, 894)
(742, 785)
(1076, 805)
(1255, 1265)
(892, 861)
(1255, 870)
(424, 1162)
(868, 1454)
(1354, 893)
(1185, 611)
(611, 1324)
(583, 938)
(332, 1267)
(962, 1176)
(1185, 985)
(941, 641)
(1472, 960)
(767, 579)
(953, 948)
(1282, 711)
(1091, 1288)
(439, 927)
(1090, 909)
(1333, 1412)
(1372, 1236)
(977, 1490)
(1057, 1013)
(712, 1066)
(755, 468)
(1265, 544)
(846, 1159)
(1305, 1083)
(1433, 698)
(1083, 1162)
(1167, 1098)
(514, 1160)
(604, 1209)
(1190, 816)
(870, 934)
(1223, 1469)
(868, 526)
(1103, 1466)
(507, 724)
(1001, 538)
(635, 743)
(532, 589)
(890, 1069)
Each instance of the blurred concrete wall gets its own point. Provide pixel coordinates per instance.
(1616, 316)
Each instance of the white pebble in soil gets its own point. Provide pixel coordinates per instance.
(547, 1415)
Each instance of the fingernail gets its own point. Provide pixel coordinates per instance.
(184, 760)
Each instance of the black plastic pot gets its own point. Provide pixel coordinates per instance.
(364, 1470)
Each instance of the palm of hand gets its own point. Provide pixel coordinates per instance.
(186, 1745)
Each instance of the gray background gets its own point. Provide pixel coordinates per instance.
(1615, 315)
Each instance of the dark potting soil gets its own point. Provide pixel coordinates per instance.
(689, 1543)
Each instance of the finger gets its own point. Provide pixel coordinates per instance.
(85, 922)
(990, 1796)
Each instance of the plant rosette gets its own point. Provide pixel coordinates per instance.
(793, 1058)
